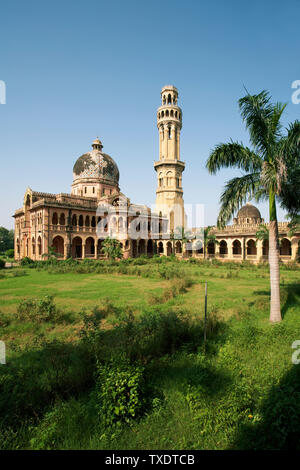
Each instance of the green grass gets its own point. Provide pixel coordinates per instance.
(243, 392)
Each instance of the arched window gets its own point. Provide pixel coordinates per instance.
(33, 245)
(223, 248)
(39, 246)
(80, 221)
(169, 132)
(251, 248)
(169, 99)
(265, 248)
(62, 220)
(58, 245)
(87, 221)
(236, 247)
(18, 246)
(93, 221)
(54, 219)
(74, 220)
(285, 247)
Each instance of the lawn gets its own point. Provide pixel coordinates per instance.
(240, 391)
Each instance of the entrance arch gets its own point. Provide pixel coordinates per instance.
(77, 247)
(58, 245)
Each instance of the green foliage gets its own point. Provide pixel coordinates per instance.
(26, 261)
(120, 391)
(2, 263)
(10, 253)
(38, 310)
(6, 239)
(111, 248)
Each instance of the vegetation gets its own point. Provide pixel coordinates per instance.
(111, 248)
(110, 355)
(6, 239)
(267, 170)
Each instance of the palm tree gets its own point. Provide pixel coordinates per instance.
(265, 168)
(208, 238)
(182, 235)
(262, 233)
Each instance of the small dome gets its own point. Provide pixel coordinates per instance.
(96, 165)
(248, 210)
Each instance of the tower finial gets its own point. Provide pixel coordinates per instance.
(97, 144)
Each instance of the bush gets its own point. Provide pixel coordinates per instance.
(2, 263)
(10, 253)
(120, 391)
(38, 309)
(27, 261)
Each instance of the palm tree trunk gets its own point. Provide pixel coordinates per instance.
(275, 314)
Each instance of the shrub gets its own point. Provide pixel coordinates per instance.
(38, 309)
(10, 253)
(2, 263)
(120, 391)
(26, 261)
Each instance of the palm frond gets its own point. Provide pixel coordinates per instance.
(235, 155)
(236, 192)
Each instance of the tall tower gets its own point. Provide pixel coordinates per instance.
(169, 168)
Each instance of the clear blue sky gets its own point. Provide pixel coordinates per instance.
(75, 70)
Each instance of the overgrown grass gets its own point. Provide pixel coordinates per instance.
(116, 360)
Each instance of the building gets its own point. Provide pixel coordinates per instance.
(75, 224)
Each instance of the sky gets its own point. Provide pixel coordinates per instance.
(75, 70)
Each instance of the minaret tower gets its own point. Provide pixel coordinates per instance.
(169, 168)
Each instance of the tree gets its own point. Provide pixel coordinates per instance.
(182, 235)
(266, 174)
(111, 248)
(262, 233)
(51, 255)
(208, 238)
(6, 239)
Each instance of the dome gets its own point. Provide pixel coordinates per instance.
(96, 165)
(249, 211)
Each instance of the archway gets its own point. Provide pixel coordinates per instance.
(74, 220)
(33, 245)
(285, 247)
(178, 248)
(90, 247)
(160, 247)
(251, 248)
(169, 249)
(39, 246)
(265, 248)
(77, 247)
(211, 248)
(236, 247)
(62, 220)
(141, 247)
(149, 248)
(58, 245)
(223, 248)
(134, 248)
(55, 219)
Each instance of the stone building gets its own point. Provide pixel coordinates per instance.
(75, 224)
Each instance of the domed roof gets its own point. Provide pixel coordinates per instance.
(96, 165)
(248, 210)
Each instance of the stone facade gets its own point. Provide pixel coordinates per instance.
(70, 223)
